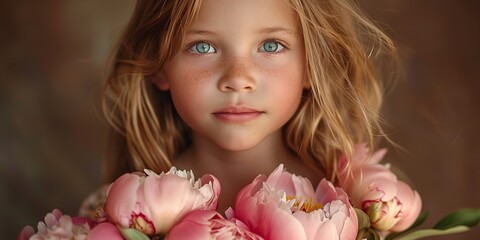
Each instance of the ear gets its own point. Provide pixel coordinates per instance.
(160, 80)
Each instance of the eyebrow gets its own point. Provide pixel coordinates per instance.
(200, 32)
(277, 29)
(263, 30)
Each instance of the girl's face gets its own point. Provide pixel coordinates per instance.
(240, 73)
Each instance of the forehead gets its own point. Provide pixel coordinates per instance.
(236, 15)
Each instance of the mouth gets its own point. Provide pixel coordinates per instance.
(237, 114)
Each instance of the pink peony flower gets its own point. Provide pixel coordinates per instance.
(105, 230)
(285, 206)
(153, 203)
(391, 204)
(205, 224)
(58, 226)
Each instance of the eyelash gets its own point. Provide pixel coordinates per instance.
(279, 42)
(190, 46)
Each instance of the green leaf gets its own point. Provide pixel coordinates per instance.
(420, 219)
(363, 219)
(466, 217)
(367, 233)
(374, 235)
(133, 234)
(364, 230)
(433, 232)
(392, 236)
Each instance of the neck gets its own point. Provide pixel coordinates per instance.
(236, 169)
(204, 156)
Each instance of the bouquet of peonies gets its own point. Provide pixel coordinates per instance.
(367, 202)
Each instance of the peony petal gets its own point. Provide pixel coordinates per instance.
(316, 225)
(229, 213)
(51, 220)
(176, 195)
(303, 188)
(122, 198)
(338, 208)
(26, 233)
(327, 231)
(279, 179)
(103, 231)
(210, 179)
(338, 213)
(57, 213)
(250, 189)
(277, 224)
(411, 206)
(266, 213)
(42, 228)
(325, 192)
(378, 156)
(205, 224)
(291, 184)
(372, 182)
(244, 210)
(180, 195)
(350, 227)
(65, 224)
(195, 224)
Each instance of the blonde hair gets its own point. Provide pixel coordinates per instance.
(342, 48)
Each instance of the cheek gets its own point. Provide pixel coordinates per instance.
(284, 93)
(288, 98)
(290, 86)
(188, 89)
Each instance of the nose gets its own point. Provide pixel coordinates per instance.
(237, 76)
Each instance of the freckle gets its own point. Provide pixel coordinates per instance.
(199, 78)
(236, 66)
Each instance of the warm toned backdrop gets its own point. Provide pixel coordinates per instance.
(52, 57)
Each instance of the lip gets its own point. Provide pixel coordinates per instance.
(237, 114)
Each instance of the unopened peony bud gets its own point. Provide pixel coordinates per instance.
(390, 204)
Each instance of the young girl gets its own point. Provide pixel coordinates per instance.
(234, 88)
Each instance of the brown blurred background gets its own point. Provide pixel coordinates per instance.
(52, 60)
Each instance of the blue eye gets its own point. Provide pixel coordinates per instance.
(202, 48)
(271, 46)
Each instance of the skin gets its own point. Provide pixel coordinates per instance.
(236, 81)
